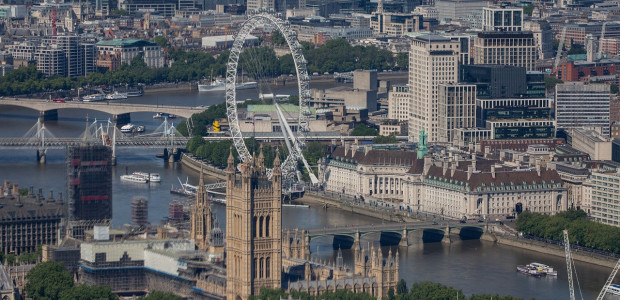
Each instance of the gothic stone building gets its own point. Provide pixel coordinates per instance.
(253, 228)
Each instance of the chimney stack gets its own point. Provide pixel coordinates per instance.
(453, 169)
(470, 169)
(493, 171)
(538, 167)
(444, 167)
(427, 164)
(15, 189)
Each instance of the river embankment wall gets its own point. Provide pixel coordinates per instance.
(193, 163)
(389, 215)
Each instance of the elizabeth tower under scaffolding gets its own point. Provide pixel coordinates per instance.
(89, 172)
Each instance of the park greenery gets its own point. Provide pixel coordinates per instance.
(419, 291)
(335, 56)
(385, 139)
(362, 129)
(581, 231)
(50, 281)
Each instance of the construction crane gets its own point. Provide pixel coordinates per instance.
(601, 295)
(560, 46)
(569, 260)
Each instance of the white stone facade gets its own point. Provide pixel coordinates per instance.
(457, 189)
(433, 60)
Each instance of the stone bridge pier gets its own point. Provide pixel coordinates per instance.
(49, 115)
(404, 240)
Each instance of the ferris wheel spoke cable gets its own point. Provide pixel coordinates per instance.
(296, 141)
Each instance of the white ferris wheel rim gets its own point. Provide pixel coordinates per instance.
(303, 81)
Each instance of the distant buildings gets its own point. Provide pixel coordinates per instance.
(602, 189)
(580, 70)
(112, 53)
(457, 109)
(393, 24)
(505, 18)
(512, 48)
(456, 9)
(582, 105)
(398, 103)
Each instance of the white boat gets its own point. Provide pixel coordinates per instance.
(93, 98)
(116, 96)
(134, 94)
(529, 270)
(140, 128)
(548, 270)
(128, 128)
(134, 178)
(151, 177)
(220, 85)
(614, 289)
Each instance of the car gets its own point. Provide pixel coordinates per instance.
(462, 221)
(480, 221)
(59, 100)
(435, 223)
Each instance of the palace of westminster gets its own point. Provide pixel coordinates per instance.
(257, 253)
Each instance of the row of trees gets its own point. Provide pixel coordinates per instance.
(419, 291)
(50, 281)
(335, 56)
(581, 231)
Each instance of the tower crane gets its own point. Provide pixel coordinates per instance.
(560, 46)
(569, 259)
(601, 295)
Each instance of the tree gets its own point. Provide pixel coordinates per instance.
(550, 82)
(613, 88)
(402, 60)
(120, 12)
(401, 287)
(362, 129)
(385, 139)
(85, 292)
(160, 41)
(47, 280)
(528, 9)
(159, 295)
(277, 38)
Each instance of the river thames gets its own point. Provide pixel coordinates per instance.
(473, 266)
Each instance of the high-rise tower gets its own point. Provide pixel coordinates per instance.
(433, 60)
(253, 228)
(202, 217)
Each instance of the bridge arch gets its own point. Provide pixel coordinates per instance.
(471, 232)
(112, 109)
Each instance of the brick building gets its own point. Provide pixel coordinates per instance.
(582, 70)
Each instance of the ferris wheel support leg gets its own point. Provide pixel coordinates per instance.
(297, 150)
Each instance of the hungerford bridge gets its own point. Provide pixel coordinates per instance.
(40, 139)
